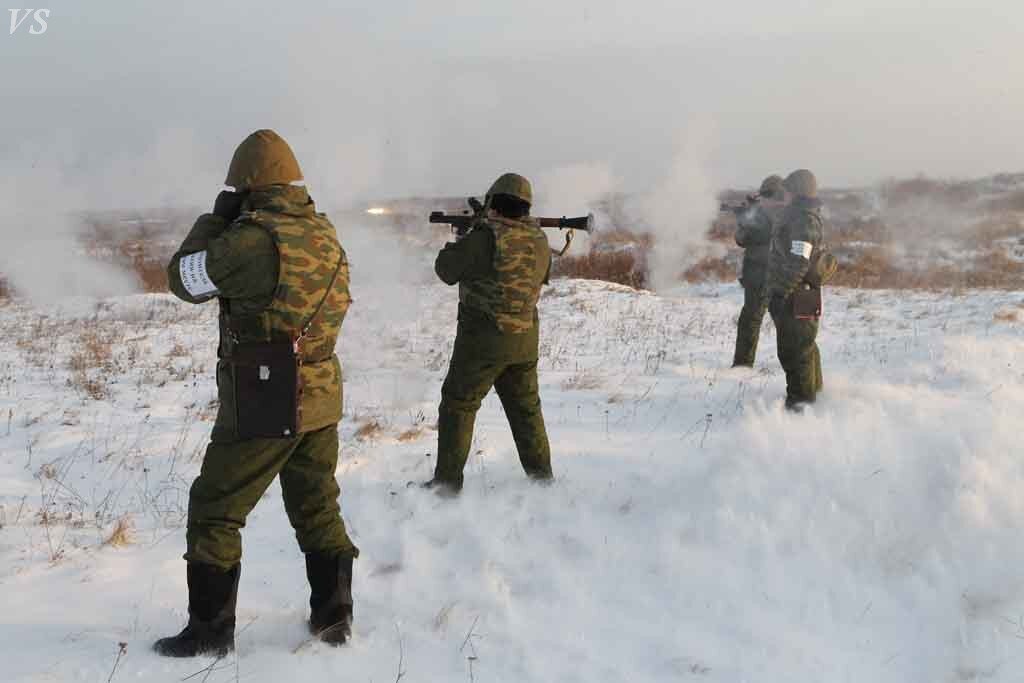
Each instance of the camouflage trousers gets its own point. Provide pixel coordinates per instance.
(234, 477)
(469, 380)
(798, 352)
(748, 329)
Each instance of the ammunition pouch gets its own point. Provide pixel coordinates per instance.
(267, 388)
(806, 302)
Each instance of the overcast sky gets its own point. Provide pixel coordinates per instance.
(142, 102)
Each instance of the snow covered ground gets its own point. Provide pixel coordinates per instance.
(697, 531)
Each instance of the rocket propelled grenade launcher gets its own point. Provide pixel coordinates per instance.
(464, 222)
(740, 207)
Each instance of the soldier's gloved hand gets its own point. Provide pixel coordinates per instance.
(228, 205)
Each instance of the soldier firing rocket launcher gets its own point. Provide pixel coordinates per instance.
(462, 223)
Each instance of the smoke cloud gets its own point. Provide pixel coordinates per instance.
(47, 193)
(679, 209)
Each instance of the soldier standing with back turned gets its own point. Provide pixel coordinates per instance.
(499, 266)
(793, 287)
(754, 226)
(280, 277)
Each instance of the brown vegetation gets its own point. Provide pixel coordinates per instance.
(412, 434)
(121, 534)
(924, 189)
(626, 267)
(151, 274)
(711, 269)
(368, 430)
(983, 218)
(91, 364)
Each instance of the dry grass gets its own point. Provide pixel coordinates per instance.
(620, 254)
(584, 380)
(998, 227)
(924, 189)
(142, 248)
(410, 435)
(1006, 315)
(121, 535)
(625, 267)
(711, 269)
(723, 229)
(151, 274)
(91, 361)
(1013, 202)
(179, 350)
(370, 429)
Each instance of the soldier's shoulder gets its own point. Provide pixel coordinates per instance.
(774, 213)
(246, 232)
(480, 239)
(802, 211)
(323, 220)
(502, 223)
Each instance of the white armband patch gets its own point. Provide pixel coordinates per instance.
(801, 249)
(194, 277)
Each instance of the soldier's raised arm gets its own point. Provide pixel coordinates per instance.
(753, 228)
(218, 259)
(187, 268)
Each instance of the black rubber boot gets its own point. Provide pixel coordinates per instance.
(212, 595)
(443, 489)
(797, 406)
(330, 597)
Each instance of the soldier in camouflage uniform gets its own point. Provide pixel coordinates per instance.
(798, 236)
(500, 266)
(278, 273)
(754, 227)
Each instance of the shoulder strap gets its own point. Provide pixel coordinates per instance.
(320, 306)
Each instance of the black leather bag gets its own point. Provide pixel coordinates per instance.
(807, 303)
(266, 384)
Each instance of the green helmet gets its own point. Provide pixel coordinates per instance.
(771, 187)
(802, 183)
(263, 159)
(513, 185)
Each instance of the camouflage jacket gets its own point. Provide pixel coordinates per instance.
(271, 267)
(754, 233)
(800, 231)
(500, 268)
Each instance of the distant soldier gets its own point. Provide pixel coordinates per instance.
(280, 277)
(793, 288)
(754, 227)
(500, 266)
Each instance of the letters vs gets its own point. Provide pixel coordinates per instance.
(38, 25)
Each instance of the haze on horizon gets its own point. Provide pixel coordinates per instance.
(125, 103)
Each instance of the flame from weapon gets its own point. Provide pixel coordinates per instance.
(378, 211)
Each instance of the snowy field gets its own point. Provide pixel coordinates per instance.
(697, 531)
